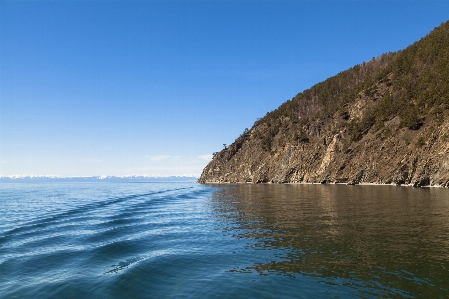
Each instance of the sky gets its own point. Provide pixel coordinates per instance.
(93, 88)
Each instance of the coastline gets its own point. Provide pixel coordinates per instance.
(331, 183)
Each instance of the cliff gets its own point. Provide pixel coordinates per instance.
(384, 121)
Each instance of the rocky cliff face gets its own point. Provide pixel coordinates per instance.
(391, 155)
(385, 121)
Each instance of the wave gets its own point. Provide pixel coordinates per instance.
(92, 225)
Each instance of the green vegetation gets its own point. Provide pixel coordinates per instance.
(410, 84)
(421, 142)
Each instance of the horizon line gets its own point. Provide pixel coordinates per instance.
(18, 176)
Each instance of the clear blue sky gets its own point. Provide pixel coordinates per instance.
(154, 87)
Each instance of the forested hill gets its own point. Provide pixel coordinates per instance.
(382, 121)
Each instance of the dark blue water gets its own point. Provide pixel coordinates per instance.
(184, 240)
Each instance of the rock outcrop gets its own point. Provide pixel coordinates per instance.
(385, 121)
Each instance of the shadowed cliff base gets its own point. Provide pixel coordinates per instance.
(385, 121)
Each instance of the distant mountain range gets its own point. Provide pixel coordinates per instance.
(118, 179)
(384, 121)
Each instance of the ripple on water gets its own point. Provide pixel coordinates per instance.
(197, 241)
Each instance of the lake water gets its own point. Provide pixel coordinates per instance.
(185, 240)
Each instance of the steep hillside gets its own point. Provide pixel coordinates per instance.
(383, 121)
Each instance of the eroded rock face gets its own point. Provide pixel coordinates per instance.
(396, 159)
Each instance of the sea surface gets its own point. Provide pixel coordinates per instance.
(186, 240)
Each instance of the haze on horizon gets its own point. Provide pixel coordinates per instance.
(91, 88)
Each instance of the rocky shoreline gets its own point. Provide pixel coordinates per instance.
(382, 122)
(333, 183)
(395, 160)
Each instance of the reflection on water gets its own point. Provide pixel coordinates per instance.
(178, 240)
(382, 241)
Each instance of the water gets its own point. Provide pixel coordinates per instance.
(184, 240)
